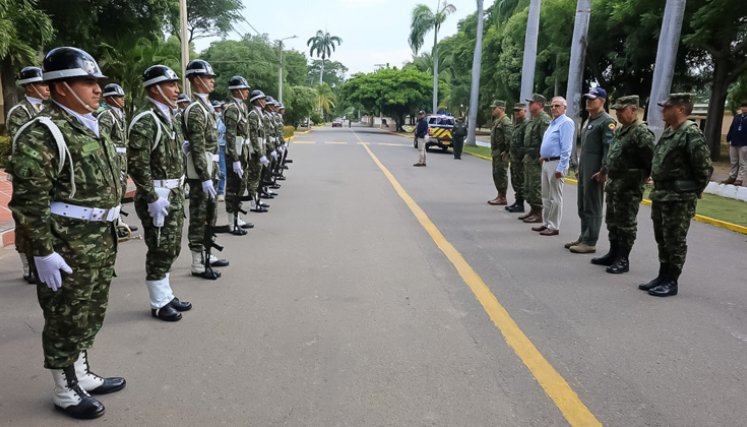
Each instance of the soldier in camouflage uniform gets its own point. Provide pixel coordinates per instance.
(517, 157)
(500, 146)
(281, 144)
(66, 198)
(36, 91)
(181, 103)
(237, 152)
(200, 130)
(535, 130)
(112, 122)
(271, 144)
(459, 134)
(681, 169)
(156, 166)
(628, 166)
(258, 157)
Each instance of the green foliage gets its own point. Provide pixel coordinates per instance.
(316, 118)
(334, 72)
(24, 30)
(206, 18)
(300, 102)
(288, 131)
(424, 20)
(323, 44)
(5, 146)
(253, 57)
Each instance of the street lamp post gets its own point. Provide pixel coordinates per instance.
(280, 68)
(184, 43)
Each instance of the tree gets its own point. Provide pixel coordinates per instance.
(335, 72)
(254, 57)
(24, 31)
(207, 18)
(322, 45)
(299, 103)
(423, 21)
(326, 98)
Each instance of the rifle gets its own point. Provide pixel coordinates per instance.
(209, 242)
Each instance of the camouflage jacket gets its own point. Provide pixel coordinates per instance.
(535, 130)
(115, 128)
(237, 126)
(150, 159)
(200, 129)
(517, 139)
(40, 179)
(19, 115)
(629, 157)
(256, 132)
(279, 128)
(269, 126)
(500, 136)
(682, 164)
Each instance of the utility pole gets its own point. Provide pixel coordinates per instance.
(474, 95)
(530, 50)
(578, 56)
(666, 55)
(280, 67)
(183, 31)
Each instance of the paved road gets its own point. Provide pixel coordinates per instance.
(339, 309)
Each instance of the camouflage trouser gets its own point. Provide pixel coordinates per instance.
(199, 204)
(235, 188)
(253, 174)
(533, 182)
(74, 314)
(671, 223)
(163, 250)
(621, 215)
(590, 202)
(517, 175)
(500, 174)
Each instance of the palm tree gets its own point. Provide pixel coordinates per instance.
(423, 21)
(323, 44)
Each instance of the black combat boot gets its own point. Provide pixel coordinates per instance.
(667, 285)
(622, 263)
(655, 282)
(610, 257)
(518, 206)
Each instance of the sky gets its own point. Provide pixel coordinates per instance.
(372, 31)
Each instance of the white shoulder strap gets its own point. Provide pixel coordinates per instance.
(189, 108)
(158, 127)
(20, 105)
(62, 151)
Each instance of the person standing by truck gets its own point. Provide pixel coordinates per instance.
(421, 131)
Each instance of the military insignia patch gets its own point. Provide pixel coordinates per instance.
(612, 126)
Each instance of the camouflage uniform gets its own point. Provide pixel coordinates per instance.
(596, 137)
(257, 138)
(500, 145)
(151, 163)
(681, 170)
(200, 130)
(270, 144)
(517, 159)
(535, 130)
(237, 128)
(74, 314)
(113, 124)
(628, 166)
(459, 133)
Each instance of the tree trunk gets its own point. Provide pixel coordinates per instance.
(10, 93)
(435, 70)
(475, 83)
(715, 116)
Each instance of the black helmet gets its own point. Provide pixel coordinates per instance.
(182, 98)
(70, 62)
(237, 82)
(113, 89)
(217, 104)
(158, 74)
(199, 67)
(256, 94)
(30, 75)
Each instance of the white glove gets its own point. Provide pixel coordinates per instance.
(285, 145)
(237, 169)
(281, 149)
(158, 211)
(274, 154)
(264, 160)
(48, 268)
(207, 187)
(185, 147)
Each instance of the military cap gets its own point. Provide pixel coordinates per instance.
(626, 101)
(200, 67)
(255, 95)
(537, 98)
(596, 92)
(182, 98)
(30, 75)
(69, 62)
(113, 89)
(519, 106)
(498, 103)
(156, 74)
(676, 99)
(217, 104)
(237, 82)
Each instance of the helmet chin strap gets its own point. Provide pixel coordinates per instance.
(168, 101)
(116, 103)
(77, 98)
(33, 86)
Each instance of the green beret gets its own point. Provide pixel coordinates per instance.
(626, 101)
(537, 98)
(498, 103)
(519, 106)
(677, 99)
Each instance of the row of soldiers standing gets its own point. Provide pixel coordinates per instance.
(69, 171)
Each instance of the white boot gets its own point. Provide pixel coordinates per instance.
(160, 292)
(240, 221)
(229, 220)
(197, 266)
(71, 399)
(25, 264)
(93, 383)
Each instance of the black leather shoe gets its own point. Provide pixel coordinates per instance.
(280, 178)
(285, 167)
(30, 278)
(88, 409)
(288, 160)
(167, 313)
(266, 196)
(208, 274)
(180, 305)
(275, 186)
(110, 385)
(650, 285)
(247, 225)
(607, 259)
(666, 288)
(133, 228)
(237, 231)
(220, 262)
(621, 265)
(264, 205)
(259, 209)
(516, 207)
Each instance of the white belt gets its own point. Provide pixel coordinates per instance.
(216, 158)
(84, 212)
(168, 183)
(121, 150)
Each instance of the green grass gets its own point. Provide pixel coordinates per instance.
(473, 149)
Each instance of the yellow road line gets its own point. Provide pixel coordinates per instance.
(556, 387)
(304, 142)
(336, 143)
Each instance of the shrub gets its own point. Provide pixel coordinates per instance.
(288, 131)
(5, 146)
